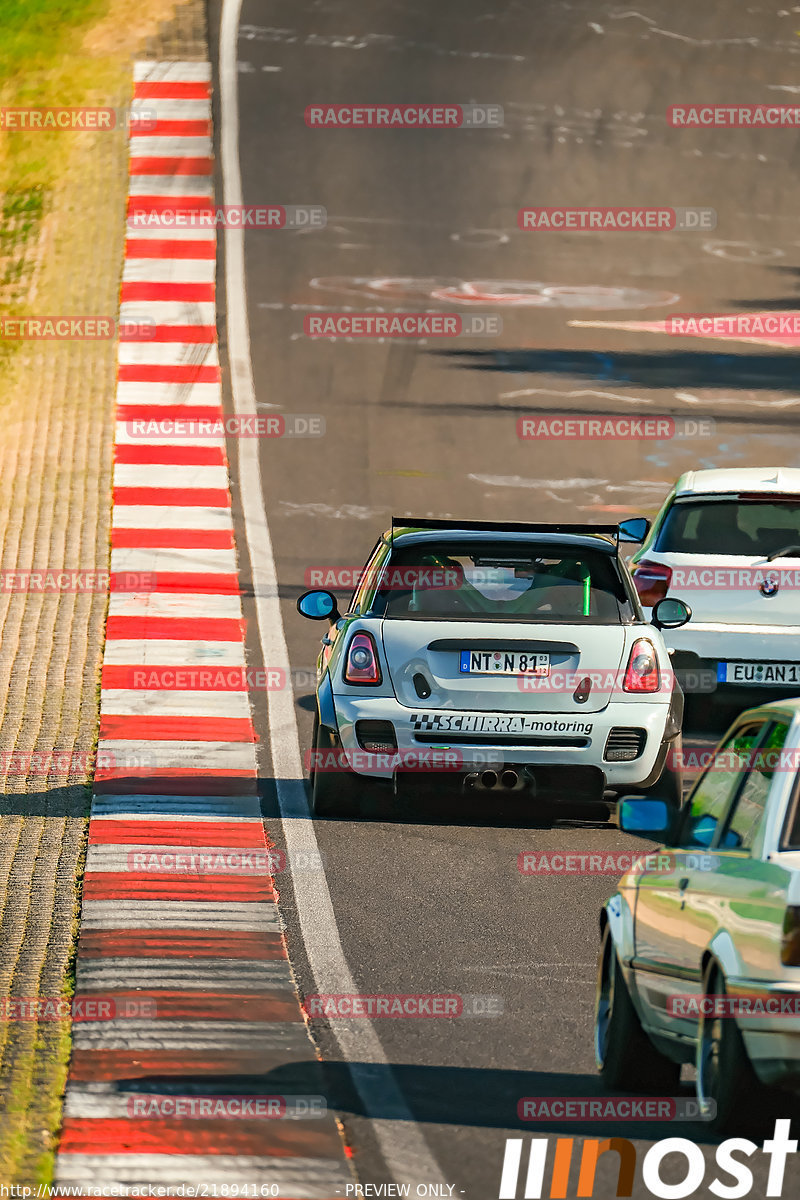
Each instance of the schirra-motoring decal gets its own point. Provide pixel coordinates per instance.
(494, 723)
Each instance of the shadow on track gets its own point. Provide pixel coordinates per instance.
(675, 369)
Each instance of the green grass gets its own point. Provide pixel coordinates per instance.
(39, 34)
(43, 62)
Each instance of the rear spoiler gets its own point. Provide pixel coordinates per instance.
(607, 531)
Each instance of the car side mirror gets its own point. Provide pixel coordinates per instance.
(634, 530)
(319, 606)
(653, 818)
(670, 613)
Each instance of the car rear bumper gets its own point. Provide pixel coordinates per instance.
(699, 650)
(721, 642)
(457, 742)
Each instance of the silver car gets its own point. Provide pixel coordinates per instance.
(514, 657)
(700, 944)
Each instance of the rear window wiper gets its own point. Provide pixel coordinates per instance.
(790, 551)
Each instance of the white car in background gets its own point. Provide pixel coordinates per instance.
(700, 944)
(728, 543)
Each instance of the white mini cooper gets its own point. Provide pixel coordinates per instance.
(496, 658)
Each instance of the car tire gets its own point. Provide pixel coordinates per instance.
(669, 785)
(333, 793)
(627, 1059)
(729, 1092)
(596, 813)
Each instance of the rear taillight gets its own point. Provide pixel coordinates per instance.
(652, 581)
(362, 660)
(642, 673)
(790, 942)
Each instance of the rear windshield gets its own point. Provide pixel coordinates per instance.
(502, 582)
(754, 528)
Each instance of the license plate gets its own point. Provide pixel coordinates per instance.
(778, 674)
(503, 662)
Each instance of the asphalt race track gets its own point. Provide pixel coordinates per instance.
(429, 219)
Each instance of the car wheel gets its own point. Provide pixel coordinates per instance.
(729, 1092)
(669, 785)
(334, 793)
(627, 1059)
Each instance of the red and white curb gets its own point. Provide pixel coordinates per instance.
(194, 964)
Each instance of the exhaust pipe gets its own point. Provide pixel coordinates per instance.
(510, 779)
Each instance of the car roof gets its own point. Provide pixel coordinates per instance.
(783, 708)
(769, 480)
(409, 536)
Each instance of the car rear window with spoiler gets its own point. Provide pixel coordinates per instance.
(504, 581)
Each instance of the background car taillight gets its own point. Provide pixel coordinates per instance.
(790, 942)
(362, 660)
(642, 673)
(652, 581)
